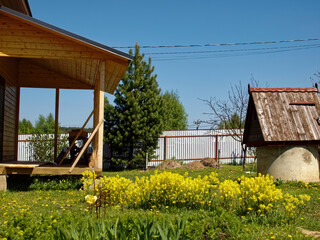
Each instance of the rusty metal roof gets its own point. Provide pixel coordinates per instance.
(282, 115)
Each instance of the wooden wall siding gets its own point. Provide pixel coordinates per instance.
(32, 75)
(57, 52)
(8, 70)
(282, 121)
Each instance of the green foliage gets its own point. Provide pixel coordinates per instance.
(45, 124)
(55, 183)
(39, 214)
(175, 116)
(25, 127)
(233, 123)
(135, 123)
(69, 129)
(42, 146)
(109, 120)
(124, 229)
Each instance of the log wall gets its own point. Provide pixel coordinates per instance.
(9, 71)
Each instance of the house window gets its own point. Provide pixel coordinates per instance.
(2, 92)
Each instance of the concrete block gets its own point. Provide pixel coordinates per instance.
(3, 183)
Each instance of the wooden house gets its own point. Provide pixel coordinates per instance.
(38, 55)
(284, 125)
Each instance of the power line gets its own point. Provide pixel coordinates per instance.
(224, 44)
(232, 50)
(230, 55)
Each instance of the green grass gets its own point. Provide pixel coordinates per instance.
(30, 213)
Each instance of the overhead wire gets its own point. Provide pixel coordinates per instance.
(232, 50)
(222, 44)
(223, 55)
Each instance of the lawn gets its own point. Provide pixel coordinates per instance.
(36, 212)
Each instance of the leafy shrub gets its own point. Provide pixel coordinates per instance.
(42, 146)
(257, 195)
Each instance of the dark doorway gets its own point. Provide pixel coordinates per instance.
(2, 93)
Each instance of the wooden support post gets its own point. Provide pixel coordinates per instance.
(217, 148)
(17, 122)
(98, 117)
(56, 126)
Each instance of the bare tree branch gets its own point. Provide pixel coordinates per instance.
(230, 114)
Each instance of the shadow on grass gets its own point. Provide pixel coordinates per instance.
(19, 182)
(28, 183)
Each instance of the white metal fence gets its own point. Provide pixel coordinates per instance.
(191, 145)
(25, 152)
(184, 145)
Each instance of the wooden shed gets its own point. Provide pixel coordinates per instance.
(284, 125)
(38, 55)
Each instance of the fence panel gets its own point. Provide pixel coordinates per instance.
(191, 145)
(190, 148)
(185, 145)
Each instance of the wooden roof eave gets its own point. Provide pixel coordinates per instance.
(106, 52)
(87, 50)
(283, 143)
(34, 76)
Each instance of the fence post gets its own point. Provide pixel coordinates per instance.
(165, 148)
(146, 161)
(217, 148)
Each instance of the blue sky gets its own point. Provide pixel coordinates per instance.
(125, 23)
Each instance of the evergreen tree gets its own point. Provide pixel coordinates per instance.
(109, 112)
(175, 117)
(135, 123)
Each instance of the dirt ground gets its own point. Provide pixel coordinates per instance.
(173, 164)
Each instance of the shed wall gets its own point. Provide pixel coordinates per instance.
(254, 133)
(9, 70)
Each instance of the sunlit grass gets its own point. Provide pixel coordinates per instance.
(38, 214)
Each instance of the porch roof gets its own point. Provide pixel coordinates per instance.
(50, 57)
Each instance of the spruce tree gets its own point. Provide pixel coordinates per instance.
(136, 121)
